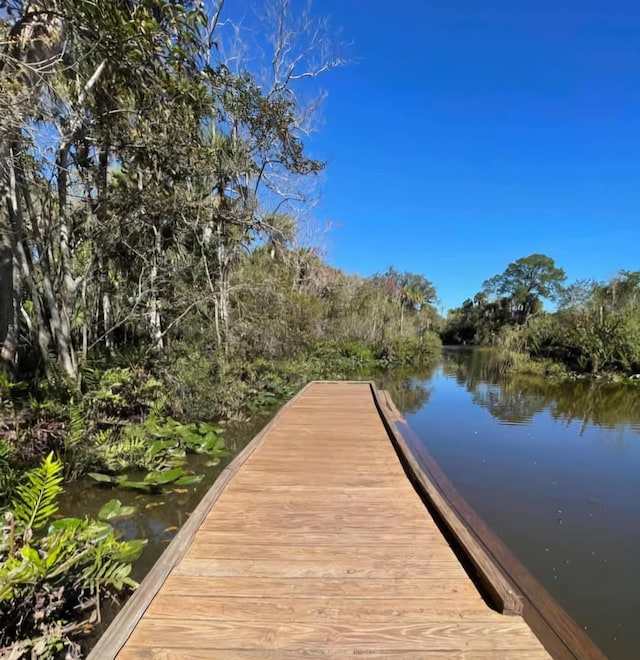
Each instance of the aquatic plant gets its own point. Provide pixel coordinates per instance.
(157, 444)
(153, 482)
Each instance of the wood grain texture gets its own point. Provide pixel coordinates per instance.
(272, 609)
(458, 591)
(254, 635)
(316, 545)
(192, 653)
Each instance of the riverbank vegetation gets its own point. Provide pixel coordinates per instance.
(156, 254)
(160, 267)
(51, 582)
(595, 328)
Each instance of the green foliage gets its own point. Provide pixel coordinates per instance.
(35, 499)
(153, 482)
(357, 350)
(8, 474)
(127, 392)
(201, 384)
(525, 282)
(404, 352)
(157, 444)
(595, 332)
(596, 328)
(115, 510)
(46, 578)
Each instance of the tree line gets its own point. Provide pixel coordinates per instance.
(157, 243)
(153, 189)
(595, 326)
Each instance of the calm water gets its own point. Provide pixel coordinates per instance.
(555, 471)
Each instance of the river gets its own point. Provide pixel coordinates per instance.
(554, 469)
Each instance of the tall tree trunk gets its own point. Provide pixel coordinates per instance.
(10, 297)
(22, 253)
(155, 321)
(10, 282)
(105, 320)
(222, 306)
(85, 321)
(63, 303)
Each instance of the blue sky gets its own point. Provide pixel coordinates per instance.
(469, 133)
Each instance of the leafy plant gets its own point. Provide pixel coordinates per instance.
(159, 444)
(8, 475)
(115, 510)
(46, 579)
(153, 482)
(35, 500)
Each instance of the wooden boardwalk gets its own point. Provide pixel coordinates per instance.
(314, 543)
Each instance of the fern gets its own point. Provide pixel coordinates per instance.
(35, 500)
(5, 453)
(77, 426)
(8, 476)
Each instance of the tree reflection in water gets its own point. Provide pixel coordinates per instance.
(516, 398)
(409, 390)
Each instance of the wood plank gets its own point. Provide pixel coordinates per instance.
(316, 479)
(307, 610)
(242, 634)
(318, 568)
(157, 653)
(308, 536)
(336, 520)
(461, 590)
(338, 496)
(206, 547)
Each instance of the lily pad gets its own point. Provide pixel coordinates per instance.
(115, 510)
(189, 480)
(165, 477)
(103, 478)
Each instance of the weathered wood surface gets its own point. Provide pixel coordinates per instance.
(316, 544)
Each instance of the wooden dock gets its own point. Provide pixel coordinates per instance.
(322, 538)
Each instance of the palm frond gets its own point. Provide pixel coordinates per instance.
(77, 426)
(35, 500)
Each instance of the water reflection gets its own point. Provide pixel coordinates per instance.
(553, 469)
(408, 389)
(515, 399)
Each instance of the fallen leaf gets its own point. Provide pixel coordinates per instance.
(180, 490)
(173, 528)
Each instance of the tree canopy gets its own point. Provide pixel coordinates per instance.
(595, 327)
(526, 282)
